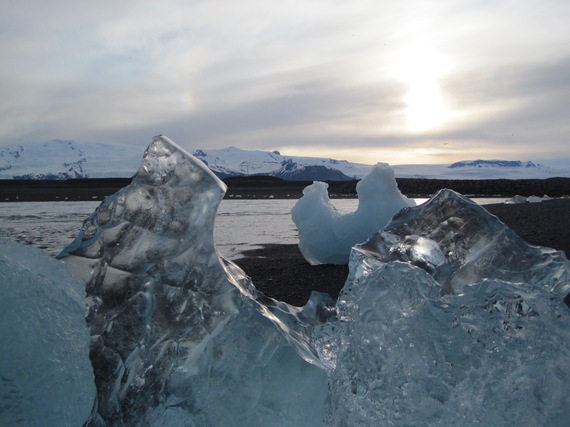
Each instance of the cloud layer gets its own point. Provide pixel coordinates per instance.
(371, 81)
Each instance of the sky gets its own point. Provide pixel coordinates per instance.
(368, 81)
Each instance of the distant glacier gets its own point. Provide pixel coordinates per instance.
(66, 159)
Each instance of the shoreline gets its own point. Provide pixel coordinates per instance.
(281, 272)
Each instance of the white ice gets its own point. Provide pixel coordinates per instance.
(46, 378)
(326, 236)
(530, 199)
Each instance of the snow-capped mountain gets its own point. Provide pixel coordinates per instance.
(59, 159)
(233, 161)
(492, 164)
(44, 162)
(293, 171)
(481, 169)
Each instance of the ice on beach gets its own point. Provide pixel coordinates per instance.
(458, 242)
(447, 318)
(530, 199)
(533, 199)
(326, 236)
(179, 335)
(516, 200)
(46, 378)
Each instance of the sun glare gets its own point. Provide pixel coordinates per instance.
(421, 67)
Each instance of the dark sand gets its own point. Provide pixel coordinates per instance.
(281, 272)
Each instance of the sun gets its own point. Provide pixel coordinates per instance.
(420, 67)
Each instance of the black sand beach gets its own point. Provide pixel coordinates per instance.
(281, 272)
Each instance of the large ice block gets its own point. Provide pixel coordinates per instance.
(179, 335)
(45, 375)
(449, 318)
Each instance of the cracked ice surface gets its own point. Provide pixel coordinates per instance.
(326, 236)
(179, 336)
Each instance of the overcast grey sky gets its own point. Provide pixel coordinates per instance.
(393, 81)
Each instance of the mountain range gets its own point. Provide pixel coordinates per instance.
(64, 159)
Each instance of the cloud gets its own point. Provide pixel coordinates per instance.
(293, 109)
(305, 75)
(523, 105)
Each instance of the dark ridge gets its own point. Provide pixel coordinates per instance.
(60, 190)
(264, 186)
(411, 187)
(553, 187)
(245, 180)
(268, 186)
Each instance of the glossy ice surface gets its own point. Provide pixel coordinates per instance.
(180, 335)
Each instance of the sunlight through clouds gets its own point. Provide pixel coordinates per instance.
(320, 74)
(421, 68)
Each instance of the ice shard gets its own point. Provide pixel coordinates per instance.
(449, 318)
(326, 236)
(180, 336)
(45, 375)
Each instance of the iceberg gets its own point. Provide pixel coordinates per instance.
(326, 236)
(447, 318)
(45, 375)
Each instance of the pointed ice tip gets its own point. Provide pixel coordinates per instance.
(451, 199)
(448, 194)
(161, 144)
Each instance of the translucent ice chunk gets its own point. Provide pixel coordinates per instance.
(179, 335)
(492, 347)
(45, 375)
(458, 242)
(497, 354)
(325, 236)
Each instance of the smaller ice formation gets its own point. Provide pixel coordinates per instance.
(530, 199)
(326, 236)
(45, 375)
